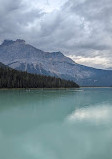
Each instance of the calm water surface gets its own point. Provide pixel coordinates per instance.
(56, 124)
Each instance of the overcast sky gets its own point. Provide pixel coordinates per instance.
(81, 29)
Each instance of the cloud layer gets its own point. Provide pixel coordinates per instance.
(82, 29)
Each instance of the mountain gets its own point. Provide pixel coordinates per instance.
(21, 56)
(2, 65)
(109, 68)
(10, 78)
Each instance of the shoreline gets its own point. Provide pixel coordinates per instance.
(34, 88)
(94, 87)
(47, 88)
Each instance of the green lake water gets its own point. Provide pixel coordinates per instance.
(56, 124)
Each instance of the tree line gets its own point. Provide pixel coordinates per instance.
(10, 78)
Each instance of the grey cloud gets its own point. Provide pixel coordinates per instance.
(15, 18)
(79, 27)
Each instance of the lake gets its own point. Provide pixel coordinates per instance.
(56, 124)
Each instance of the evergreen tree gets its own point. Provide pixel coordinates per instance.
(10, 78)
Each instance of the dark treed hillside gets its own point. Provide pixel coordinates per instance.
(10, 78)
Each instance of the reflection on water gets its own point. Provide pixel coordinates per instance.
(94, 113)
(56, 124)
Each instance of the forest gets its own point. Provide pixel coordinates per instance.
(10, 78)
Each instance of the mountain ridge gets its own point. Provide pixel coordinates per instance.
(21, 56)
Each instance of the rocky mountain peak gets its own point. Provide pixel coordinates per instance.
(9, 42)
(20, 41)
(58, 53)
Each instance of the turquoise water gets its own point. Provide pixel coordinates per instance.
(56, 124)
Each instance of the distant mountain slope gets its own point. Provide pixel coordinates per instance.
(109, 68)
(2, 65)
(21, 56)
(10, 78)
